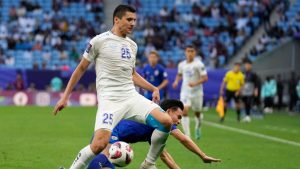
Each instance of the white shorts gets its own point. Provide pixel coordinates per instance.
(195, 102)
(110, 113)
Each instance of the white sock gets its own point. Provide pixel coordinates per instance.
(197, 122)
(83, 158)
(158, 142)
(186, 125)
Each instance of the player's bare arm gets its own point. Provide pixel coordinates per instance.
(163, 84)
(202, 80)
(177, 79)
(168, 160)
(141, 82)
(189, 144)
(222, 88)
(76, 75)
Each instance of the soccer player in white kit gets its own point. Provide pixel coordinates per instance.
(114, 55)
(193, 73)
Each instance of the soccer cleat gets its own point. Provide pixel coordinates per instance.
(147, 165)
(197, 133)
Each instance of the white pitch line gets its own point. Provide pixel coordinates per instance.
(250, 133)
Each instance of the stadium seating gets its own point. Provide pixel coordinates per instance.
(217, 28)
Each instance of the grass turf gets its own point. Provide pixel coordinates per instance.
(31, 138)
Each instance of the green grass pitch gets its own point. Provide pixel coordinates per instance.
(32, 138)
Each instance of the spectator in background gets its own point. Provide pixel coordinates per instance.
(2, 60)
(268, 92)
(250, 89)
(280, 88)
(74, 55)
(292, 91)
(31, 88)
(56, 84)
(298, 94)
(155, 74)
(10, 61)
(19, 83)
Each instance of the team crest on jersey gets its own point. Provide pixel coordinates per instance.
(88, 48)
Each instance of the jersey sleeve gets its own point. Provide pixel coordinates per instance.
(173, 127)
(242, 79)
(226, 77)
(180, 68)
(90, 51)
(164, 73)
(201, 69)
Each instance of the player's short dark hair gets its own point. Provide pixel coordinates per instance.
(190, 46)
(247, 60)
(171, 103)
(237, 64)
(121, 10)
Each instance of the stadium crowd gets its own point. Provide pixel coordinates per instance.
(53, 34)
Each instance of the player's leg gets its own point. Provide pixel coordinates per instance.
(108, 116)
(101, 161)
(197, 104)
(100, 140)
(145, 111)
(185, 121)
(238, 107)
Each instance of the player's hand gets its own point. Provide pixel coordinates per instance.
(207, 159)
(237, 93)
(174, 85)
(156, 96)
(192, 84)
(62, 103)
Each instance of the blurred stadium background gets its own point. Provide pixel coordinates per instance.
(41, 42)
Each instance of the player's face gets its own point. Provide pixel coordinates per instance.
(236, 68)
(176, 115)
(190, 53)
(126, 23)
(248, 66)
(152, 59)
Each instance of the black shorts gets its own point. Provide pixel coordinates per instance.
(231, 95)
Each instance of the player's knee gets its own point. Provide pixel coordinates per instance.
(98, 145)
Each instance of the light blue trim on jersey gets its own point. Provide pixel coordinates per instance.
(152, 122)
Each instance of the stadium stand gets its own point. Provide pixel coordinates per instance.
(286, 28)
(51, 34)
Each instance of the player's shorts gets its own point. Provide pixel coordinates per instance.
(110, 113)
(195, 102)
(231, 95)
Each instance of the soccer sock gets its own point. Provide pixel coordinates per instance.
(197, 122)
(158, 142)
(186, 125)
(100, 161)
(83, 158)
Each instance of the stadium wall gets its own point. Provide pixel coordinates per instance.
(282, 60)
(42, 78)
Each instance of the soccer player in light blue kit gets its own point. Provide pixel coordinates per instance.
(114, 55)
(155, 74)
(132, 132)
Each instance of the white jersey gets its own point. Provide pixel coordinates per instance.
(114, 59)
(191, 72)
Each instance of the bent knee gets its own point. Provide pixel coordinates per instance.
(98, 146)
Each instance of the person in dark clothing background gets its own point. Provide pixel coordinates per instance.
(250, 89)
(280, 88)
(292, 91)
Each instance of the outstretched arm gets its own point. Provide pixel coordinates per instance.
(76, 75)
(168, 160)
(189, 144)
(141, 82)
